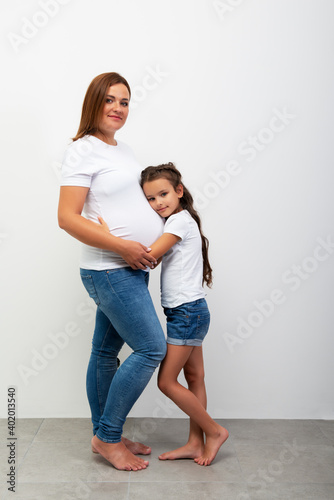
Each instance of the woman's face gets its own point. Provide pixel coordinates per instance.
(115, 110)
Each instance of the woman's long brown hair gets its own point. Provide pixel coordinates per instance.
(169, 171)
(94, 102)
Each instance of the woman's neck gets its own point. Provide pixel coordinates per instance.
(107, 138)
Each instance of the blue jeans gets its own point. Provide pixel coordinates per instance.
(125, 313)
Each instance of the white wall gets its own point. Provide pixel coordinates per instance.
(208, 78)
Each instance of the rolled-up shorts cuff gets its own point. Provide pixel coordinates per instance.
(189, 342)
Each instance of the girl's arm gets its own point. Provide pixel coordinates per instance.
(163, 244)
(71, 202)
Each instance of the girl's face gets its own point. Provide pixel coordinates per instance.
(162, 196)
(115, 110)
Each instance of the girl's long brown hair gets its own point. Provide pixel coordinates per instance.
(94, 102)
(169, 171)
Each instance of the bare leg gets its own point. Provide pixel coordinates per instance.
(176, 358)
(194, 375)
(118, 455)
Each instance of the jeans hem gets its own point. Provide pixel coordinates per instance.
(105, 440)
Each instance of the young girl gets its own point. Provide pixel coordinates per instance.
(185, 268)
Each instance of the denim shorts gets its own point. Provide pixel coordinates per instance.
(188, 323)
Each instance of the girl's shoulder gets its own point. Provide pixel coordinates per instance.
(181, 224)
(184, 214)
(185, 217)
(179, 218)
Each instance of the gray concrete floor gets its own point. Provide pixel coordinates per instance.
(261, 460)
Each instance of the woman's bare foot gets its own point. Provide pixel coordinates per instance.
(212, 445)
(118, 455)
(134, 447)
(189, 450)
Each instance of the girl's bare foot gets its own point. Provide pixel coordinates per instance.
(190, 450)
(118, 455)
(212, 445)
(134, 447)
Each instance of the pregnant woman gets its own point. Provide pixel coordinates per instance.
(100, 177)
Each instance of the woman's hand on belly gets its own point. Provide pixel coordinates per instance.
(71, 202)
(133, 252)
(136, 255)
(103, 225)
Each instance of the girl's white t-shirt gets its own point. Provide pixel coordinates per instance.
(112, 175)
(182, 265)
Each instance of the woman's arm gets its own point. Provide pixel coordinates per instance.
(71, 202)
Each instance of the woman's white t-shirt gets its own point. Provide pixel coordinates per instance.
(112, 175)
(182, 265)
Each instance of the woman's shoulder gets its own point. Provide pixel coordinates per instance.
(83, 145)
(89, 146)
(125, 147)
